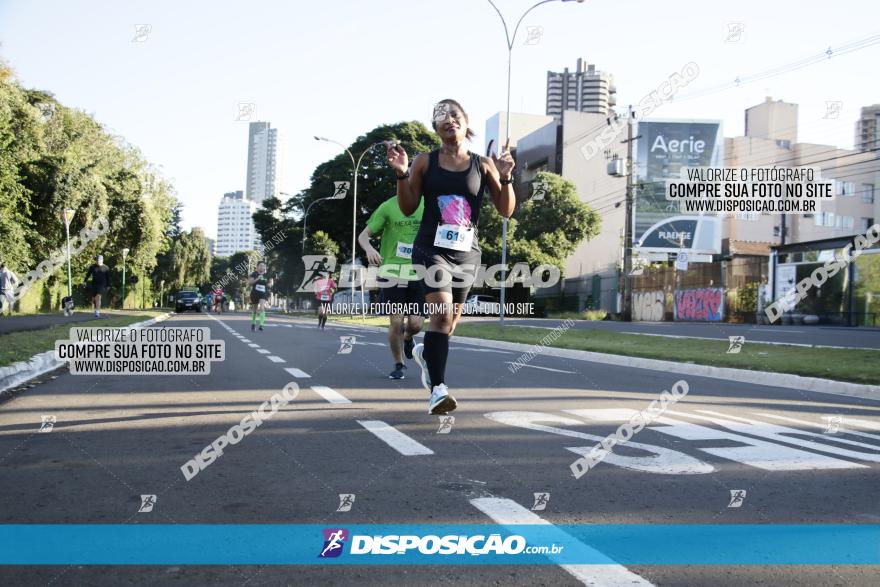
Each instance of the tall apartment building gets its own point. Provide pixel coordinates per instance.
(584, 90)
(265, 170)
(235, 225)
(868, 129)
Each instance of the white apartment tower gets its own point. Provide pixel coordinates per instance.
(265, 172)
(583, 90)
(868, 129)
(235, 225)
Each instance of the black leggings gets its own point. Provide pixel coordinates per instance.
(449, 272)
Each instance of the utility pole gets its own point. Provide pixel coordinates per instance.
(628, 228)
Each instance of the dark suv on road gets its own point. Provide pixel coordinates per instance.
(187, 300)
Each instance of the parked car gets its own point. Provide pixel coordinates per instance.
(481, 305)
(187, 300)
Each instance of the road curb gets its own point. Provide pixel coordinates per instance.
(23, 371)
(765, 378)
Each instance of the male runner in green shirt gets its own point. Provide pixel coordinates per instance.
(395, 260)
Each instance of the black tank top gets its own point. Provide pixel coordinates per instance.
(451, 197)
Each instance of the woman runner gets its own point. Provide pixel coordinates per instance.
(452, 180)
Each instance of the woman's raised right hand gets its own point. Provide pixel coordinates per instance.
(397, 159)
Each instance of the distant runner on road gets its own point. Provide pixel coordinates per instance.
(259, 284)
(8, 281)
(325, 287)
(100, 276)
(394, 258)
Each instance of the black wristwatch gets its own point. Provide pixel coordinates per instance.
(404, 176)
(507, 181)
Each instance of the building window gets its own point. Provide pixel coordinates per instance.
(846, 188)
(868, 193)
(748, 216)
(825, 219)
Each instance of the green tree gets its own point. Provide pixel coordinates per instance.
(545, 231)
(52, 158)
(191, 260)
(376, 182)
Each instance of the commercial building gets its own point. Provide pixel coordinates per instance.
(235, 224)
(586, 147)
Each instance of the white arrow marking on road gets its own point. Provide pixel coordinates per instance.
(297, 372)
(275, 359)
(537, 367)
(509, 513)
(847, 429)
(756, 453)
(778, 433)
(661, 460)
(331, 395)
(395, 438)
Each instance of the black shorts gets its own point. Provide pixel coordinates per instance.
(101, 290)
(257, 296)
(446, 271)
(409, 292)
(325, 304)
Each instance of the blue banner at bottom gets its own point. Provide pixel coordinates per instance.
(281, 544)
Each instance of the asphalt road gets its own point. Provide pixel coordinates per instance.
(833, 336)
(514, 435)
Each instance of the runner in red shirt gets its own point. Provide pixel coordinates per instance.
(324, 289)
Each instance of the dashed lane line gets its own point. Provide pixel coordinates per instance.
(395, 438)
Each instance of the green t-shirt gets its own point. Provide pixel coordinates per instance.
(398, 233)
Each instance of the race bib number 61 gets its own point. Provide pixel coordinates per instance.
(455, 237)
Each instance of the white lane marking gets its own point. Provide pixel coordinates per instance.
(297, 372)
(509, 513)
(537, 367)
(846, 429)
(863, 423)
(395, 438)
(253, 345)
(751, 341)
(479, 350)
(275, 359)
(243, 339)
(263, 351)
(777, 330)
(664, 461)
(331, 395)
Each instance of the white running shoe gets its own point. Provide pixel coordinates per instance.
(441, 402)
(420, 361)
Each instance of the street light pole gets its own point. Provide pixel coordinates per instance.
(124, 255)
(510, 40)
(306, 217)
(68, 217)
(355, 166)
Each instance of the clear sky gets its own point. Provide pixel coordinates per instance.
(339, 68)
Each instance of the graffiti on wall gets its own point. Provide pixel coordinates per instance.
(700, 304)
(649, 306)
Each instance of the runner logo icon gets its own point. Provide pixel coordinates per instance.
(334, 541)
